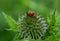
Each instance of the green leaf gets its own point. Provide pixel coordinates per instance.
(11, 22)
(58, 20)
(53, 20)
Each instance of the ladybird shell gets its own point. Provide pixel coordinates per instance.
(30, 13)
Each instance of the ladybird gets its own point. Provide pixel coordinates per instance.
(30, 13)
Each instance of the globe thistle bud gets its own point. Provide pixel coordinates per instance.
(32, 25)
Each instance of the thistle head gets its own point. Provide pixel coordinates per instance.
(32, 25)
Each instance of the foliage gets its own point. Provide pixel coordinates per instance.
(10, 10)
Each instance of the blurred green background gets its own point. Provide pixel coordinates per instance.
(16, 8)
